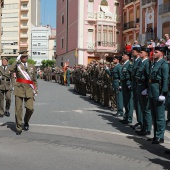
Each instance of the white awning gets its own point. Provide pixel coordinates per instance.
(105, 9)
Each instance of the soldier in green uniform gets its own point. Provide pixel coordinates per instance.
(158, 88)
(6, 85)
(127, 88)
(136, 62)
(116, 75)
(25, 89)
(142, 76)
(68, 76)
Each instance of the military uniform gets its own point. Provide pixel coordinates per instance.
(127, 91)
(137, 107)
(68, 76)
(116, 75)
(24, 92)
(142, 88)
(6, 85)
(158, 88)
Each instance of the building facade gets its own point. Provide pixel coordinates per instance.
(87, 30)
(163, 18)
(18, 17)
(40, 44)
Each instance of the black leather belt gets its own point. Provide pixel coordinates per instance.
(5, 79)
(154, 81)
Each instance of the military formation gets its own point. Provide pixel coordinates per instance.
(131, 82)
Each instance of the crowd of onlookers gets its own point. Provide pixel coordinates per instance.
(150, 44)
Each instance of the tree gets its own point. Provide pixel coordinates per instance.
(48, 63)
(30, 61)
(11, 61)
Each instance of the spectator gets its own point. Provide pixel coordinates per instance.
(128, 47)
(167, 41)
(135, 44)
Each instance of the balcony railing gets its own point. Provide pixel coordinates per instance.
(144, 38)
(145, 2)
(129, 1)
(129, 25)
(101, 16)
(164, 8)
(105, 44)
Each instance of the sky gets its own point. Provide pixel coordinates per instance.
(48, 12)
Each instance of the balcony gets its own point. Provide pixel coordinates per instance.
(148, 3)
(24, 0)
(91, 16)
(24, 18)
(24, 8)
(129, 25)
(144, 38)
(164, 8)
(129, 1)
(23, 27)
(23, 35)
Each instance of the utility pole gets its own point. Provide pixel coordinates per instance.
(1, 30)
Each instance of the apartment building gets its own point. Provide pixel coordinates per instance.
(18, 17)
(131, 20)
(88, 29)
(163, 18)
(40, 43)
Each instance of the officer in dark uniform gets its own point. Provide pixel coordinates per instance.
(158, 88)
(136, 62)
(142, 75)
(127, 88)
(116, 74)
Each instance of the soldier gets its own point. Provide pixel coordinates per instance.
(158, 88)
(68, 76)
(116, 74)
(127, 88)
(6, 86)
(142, 75)
(25, 89)
(136, 62)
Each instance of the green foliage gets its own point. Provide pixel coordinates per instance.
(30, 61)
(48, 63)
(11, 61)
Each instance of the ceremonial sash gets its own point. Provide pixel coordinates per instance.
(27, 79)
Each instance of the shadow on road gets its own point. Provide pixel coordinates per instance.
(10, 125)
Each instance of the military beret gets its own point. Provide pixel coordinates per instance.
(5, 58)
(138, 49)
(162, 49)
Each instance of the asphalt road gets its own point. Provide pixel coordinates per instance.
(71, 132)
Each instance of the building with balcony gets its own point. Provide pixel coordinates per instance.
(42, 44)
(163, 18)
(131, 21)
(148, 21)
(18, 17)
(88, 29)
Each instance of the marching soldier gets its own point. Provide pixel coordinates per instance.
(158, 88)
(25, 89)
(116, 74)
(68, 76)
(142, 75)
(136, 62)
(127, 89)
(6, 86)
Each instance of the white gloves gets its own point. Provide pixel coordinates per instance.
(129, 87)
(18, 58)
(107, 68)
(161, 98)
(105, 86)
(35, 94)
(144, 92)
(120, 87)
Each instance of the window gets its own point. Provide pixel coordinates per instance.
(116, 3)
(10, 15)
(110, 37)
(104, 35)
(62, 19)
(24, 5)
(62, 43)
(9, 24)
(99, 35)
(10, 34)
(10, 6)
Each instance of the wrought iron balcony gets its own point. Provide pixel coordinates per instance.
(164, 8)
(145, 2)
(129, 25)
(129, 1)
